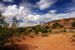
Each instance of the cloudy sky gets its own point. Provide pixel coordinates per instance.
(33, 12)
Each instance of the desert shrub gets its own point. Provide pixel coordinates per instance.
(19, 31)
(49, 30)
(28, 30)
(4, 35)
(41, 29)
(64, 30)
(44, 31)
(45, 34)
(46, 26)
(37, 29)
(73, 24)
(57, 25)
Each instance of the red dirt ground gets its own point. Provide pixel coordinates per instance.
(52, 42)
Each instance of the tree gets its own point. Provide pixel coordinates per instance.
(15, 22)
(4, 33)
(2, 21)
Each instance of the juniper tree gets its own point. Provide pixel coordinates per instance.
(2, 21)
(15, 22)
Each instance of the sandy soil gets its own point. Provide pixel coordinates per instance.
(52, 42)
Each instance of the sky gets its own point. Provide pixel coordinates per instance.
(34, 12)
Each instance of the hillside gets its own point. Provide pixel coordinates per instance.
(62, 23)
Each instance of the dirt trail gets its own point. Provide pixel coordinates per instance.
(52, 42)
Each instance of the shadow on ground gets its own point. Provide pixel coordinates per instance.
(15, 47)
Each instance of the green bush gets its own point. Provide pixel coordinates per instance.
(4, 35)
(57, 25)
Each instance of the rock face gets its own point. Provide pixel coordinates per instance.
(65, 23)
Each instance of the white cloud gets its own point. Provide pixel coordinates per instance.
(11, 11)
(7, 0)
(52, 11)
(33, 17)
(24, 12)
(53, 16)
(21, 12)
(2, 7)
(73, 1)
(27, 16)
(43, 4)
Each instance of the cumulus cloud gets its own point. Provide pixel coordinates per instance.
(33, 19)
(11, 11)
(2, 7)
(20, 12)
(43, 4)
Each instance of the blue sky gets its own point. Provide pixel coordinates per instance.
(32, 12)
